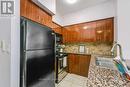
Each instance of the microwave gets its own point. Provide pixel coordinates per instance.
(59, 38)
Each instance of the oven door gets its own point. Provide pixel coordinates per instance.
(60, 65)
(61, 71)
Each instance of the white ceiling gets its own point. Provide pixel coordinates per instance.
(64, 8)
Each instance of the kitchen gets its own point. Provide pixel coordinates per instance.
(71, 43)
(79, 46)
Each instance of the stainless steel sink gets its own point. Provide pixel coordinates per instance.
(105, 62)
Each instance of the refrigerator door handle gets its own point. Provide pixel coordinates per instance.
(55, 68)
(25, 72)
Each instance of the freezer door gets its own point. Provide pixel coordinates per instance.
(38, 36)
(40, 68)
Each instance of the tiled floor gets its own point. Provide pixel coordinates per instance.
(72, 80)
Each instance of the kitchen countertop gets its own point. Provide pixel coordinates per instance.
(88, 54)
(103, 77)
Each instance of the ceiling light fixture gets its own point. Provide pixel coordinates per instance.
(71, 1)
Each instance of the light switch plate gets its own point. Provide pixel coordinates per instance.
(0, 45)
(3, 46)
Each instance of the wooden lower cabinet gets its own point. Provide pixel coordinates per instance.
(79, 64)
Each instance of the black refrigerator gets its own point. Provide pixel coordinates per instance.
(37, 60)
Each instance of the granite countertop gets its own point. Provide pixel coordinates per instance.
(103, 77)
(88, 54)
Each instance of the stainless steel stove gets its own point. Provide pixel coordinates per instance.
(61, 60)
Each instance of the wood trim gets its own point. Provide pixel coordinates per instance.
(57, 24)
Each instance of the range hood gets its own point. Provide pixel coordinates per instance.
(48, 5)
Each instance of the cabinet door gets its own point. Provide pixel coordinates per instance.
(104, 30)
(73, 64)
(28, 10)
(100, 26)
(109, 30)
(84, 62)
(79, 64)
(36, 14)
(89, 33)
(23, 5)
(66, 35)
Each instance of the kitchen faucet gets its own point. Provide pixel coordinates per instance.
(120, 50)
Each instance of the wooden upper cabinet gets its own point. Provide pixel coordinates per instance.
(100, 30)
(31, 11)
(97, 31)
(58, 30)
(105, 30)
(77, 33)
(89, 33)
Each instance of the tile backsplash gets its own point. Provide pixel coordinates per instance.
(90, 48)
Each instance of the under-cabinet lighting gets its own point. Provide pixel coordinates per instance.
(99, 32)
(85, 27)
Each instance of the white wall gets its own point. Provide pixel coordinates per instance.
(15, 46)
(100, 11)
(5, 29)
(115, 22)
(123, 24)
